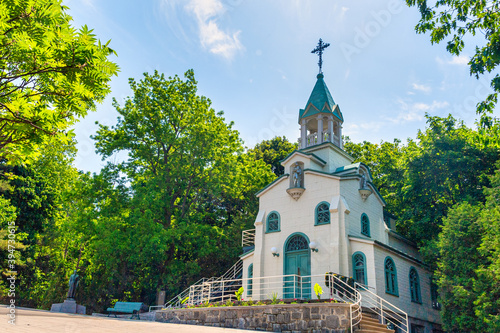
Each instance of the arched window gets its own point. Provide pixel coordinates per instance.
(359, 268)
(250, 280)
(415, 286)
(435, 295)
(322, 213)
(391, 277)
(296, 243)
(365, 225)
(273, 222)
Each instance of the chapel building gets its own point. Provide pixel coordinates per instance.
(325, 215)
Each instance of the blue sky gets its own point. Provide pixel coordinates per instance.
(253, 60)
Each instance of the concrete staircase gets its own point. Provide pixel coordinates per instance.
(371, 325)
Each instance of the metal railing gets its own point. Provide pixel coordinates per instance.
(292, 287)
(388, 313)
(248, 237)
(178, 301)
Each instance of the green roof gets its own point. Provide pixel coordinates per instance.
(319, 97)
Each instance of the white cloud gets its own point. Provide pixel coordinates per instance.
(356, 128)
(211, 36)
(460, 60)
(343, 11)
(421, 87)
(416, 111)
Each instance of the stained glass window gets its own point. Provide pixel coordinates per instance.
(273, 222)
(365, 225)
(391, 278)
(297, 242)
(359, 263)
(323, 213)
(415, 286)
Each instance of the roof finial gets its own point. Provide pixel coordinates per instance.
(319, 50)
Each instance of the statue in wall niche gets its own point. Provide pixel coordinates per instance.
(362, 183)
(297, 175)
(74, 280)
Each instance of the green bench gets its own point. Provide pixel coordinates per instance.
(126, 307)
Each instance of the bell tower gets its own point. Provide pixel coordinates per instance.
(321, 120)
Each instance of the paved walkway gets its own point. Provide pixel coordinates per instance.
(40, 321)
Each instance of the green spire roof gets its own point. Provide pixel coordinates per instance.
(320, 101)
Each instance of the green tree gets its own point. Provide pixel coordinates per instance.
(487, 286)
(192, 189)
(459, 257)
(457, 21)
(273, 152)
(468, 265)
(37, 198)
(444, 168)
(50, 74)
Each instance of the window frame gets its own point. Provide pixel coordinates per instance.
(387, 273)
(415, 291)
(354, 267)
(250, 280)
(267, 222)
(316, 213)
(367, 222)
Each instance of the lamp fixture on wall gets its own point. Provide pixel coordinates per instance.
(274, 251)
(313, 246)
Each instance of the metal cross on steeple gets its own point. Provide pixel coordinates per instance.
(319, 50)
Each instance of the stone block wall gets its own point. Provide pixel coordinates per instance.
(293, 318)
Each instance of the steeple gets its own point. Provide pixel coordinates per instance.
(321, 120)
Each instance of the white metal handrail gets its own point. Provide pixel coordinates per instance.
(387, 312)
(180, 299)
(279, 287)
(248, 237)
(292, 286)
(354, 301)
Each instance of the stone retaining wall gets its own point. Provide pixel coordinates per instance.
(315, 318)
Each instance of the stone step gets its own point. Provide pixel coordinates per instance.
(372, 326)
(369, 320)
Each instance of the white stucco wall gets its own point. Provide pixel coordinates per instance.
(332, 155)
(299, 216)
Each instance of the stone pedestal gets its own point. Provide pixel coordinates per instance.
(69, 306)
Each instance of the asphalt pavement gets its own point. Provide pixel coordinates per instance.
(41, 321)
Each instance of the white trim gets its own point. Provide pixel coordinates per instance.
(339, 201)
(260, 217)
(272, 185)
(333, 146)
(319, 173)
(309, 157)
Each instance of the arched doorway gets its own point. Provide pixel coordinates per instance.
(297, 283)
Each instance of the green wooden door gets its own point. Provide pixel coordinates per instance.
(298, 264)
